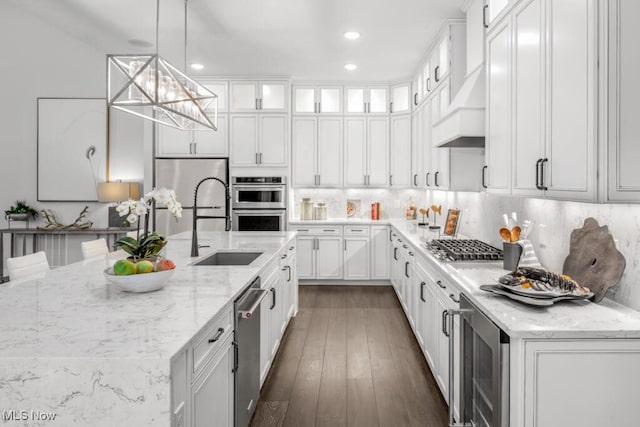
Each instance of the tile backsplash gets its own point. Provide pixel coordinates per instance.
(482, 218)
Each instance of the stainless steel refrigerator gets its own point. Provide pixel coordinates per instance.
(182, 175)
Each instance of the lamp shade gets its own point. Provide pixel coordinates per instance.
(113, 191)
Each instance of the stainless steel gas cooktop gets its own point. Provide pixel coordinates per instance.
(463, 250)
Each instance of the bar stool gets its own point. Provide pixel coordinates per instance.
(28, 265)
(94, 249)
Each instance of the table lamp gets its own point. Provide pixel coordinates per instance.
(117, 192)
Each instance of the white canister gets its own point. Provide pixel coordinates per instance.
(306, 209)
(321, 211)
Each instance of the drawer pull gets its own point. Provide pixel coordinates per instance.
(422, 285)
(453, 298)
(292, 248)
(283, 256)
(217, 336)
(439, 283)
(329, 231)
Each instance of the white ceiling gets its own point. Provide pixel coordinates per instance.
(301, 38)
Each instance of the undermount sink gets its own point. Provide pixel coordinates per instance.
(229, 258)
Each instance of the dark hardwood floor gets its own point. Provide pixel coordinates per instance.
(349, 358)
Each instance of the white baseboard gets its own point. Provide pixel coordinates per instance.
(345, 282)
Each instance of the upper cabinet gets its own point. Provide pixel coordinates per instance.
(259, 140)
(623, 126)
(317, 100)
(400, 95)
(198, 142)
(221, 89)
(493, 10)
(253, 96)
(366, 100)
(475, 35)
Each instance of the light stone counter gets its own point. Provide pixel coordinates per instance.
(73, 344)
(339, 221)
(564, 320)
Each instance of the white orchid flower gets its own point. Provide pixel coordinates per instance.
(132, 218)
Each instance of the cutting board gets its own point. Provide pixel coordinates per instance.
(593, 260)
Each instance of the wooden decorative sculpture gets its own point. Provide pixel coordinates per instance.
(54, 224)
(593, 260)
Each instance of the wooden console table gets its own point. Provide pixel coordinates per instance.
(110, 234)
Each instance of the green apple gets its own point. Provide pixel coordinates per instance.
(144, 267)
(124, 267)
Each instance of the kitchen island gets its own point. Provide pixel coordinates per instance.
(77, 348)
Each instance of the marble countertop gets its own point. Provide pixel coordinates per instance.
(74, 312)
(565, 320)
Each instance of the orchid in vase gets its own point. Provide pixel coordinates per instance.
(147, 245)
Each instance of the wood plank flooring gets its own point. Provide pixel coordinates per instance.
(349, 358)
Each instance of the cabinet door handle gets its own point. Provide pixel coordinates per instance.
(542, 186)
(287, 268)
(217, 336)
(319, 107)
(257, 159)
(260, 157)
(436, 73)
(415, 98)
(484, 16)
(257, 105)
(235, 356)
(391, 107)
(406, 269)
(319, 180)
(422, 285)
(439, 283)
(415, 180)
(484, 183)
(317, 243)
(453, 298)
(445, 313)
(390, 179)
(427, 179)
(273, 301)
(261, 103)
(538, 174)
(395, 254)
(435, 177)
(345, 244)
(428, 84)
(390, 235)
(368, 107)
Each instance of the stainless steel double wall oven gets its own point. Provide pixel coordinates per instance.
(259, 203)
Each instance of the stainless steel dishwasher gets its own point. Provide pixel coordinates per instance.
(247, 334)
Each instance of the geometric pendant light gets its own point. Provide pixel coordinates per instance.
(149, 87)
(141, 83)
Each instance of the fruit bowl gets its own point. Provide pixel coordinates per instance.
(139, 283)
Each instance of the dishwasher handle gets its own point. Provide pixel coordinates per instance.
(251, 302)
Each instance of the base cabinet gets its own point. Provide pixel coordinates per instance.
(212, 393)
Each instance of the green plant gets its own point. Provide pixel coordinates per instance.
(21, 207)
(144, 246)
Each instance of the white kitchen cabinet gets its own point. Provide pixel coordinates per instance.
(329, 257)
(317, 151)
(554, 125)
(498, 133)
(221, 89)
(276, 312)
(475, 35)
(265, 341)
(366, 151)
(624, 91)
(356, 253)
(212, 392)
(317, 100)
(416, 89)
(555, 369)
(198, 142)
(319, 252)
(427, 84)
(290, 279)
(417, 129)
(366, 100)
(400, 98)
(447, 58)
(429, 326)
(571, 169)
(494, 10)
(258, 140)
(253, 96)
(380, 240)
(400, 153)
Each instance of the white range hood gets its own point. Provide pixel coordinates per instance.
(463, 124)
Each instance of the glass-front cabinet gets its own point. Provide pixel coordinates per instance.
(367, 100)
(317, 100)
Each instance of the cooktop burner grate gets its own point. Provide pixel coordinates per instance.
(464, 250)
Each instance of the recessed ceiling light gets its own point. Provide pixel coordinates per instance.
(352, 35)
(350, 67)
(197, 66)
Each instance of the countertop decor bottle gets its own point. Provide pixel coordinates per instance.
(321, 211)
(306, 209)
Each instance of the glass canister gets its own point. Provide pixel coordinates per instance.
(321, 211)
(306, 209)
(411, 210)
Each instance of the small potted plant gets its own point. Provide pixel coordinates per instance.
(20, 212)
